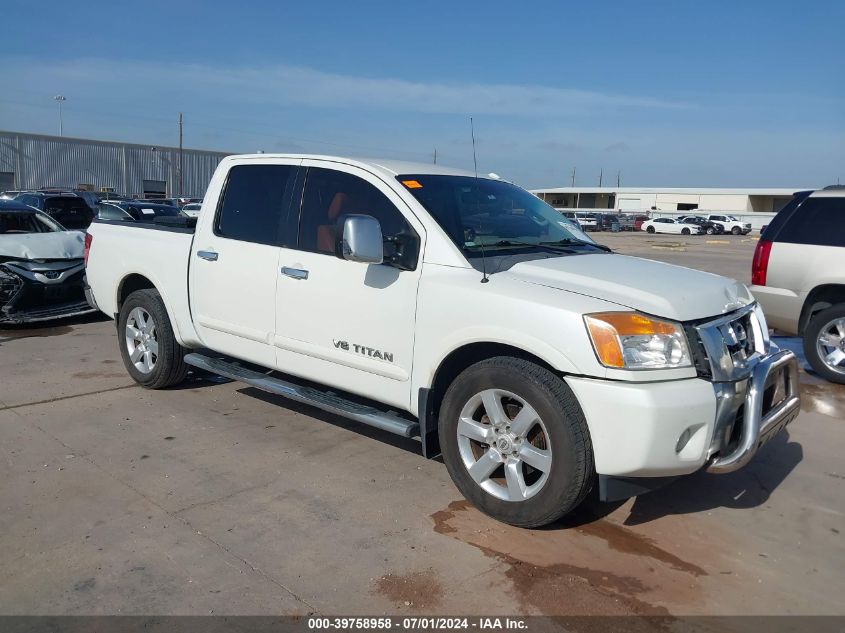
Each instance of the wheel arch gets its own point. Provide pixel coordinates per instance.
(132, 282)
(818, 299)
(129, 284)
(456, 361)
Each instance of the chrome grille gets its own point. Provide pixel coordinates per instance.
(732, 344)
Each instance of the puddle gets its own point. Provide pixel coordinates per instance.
(599, 568)
(7, 335)
(817, 394)
(417, 590)
(622, 539)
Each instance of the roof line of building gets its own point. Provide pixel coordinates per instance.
(147, 146)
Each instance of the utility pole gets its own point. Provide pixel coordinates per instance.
(435, 155)
(601, 174)
(180, 155)
(59, 99)
(573, 176)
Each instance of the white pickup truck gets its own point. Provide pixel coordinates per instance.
(458, 309)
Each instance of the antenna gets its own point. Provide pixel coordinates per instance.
(484, 278)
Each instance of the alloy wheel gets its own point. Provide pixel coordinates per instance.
(830, 345)
(141, 342)
(504, 445)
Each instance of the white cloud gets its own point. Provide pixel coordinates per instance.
(293, 85)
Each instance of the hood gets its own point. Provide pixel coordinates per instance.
(663, 290)
(59, 245)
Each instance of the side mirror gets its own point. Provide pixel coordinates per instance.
(362, 240)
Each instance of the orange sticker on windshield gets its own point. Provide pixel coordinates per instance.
(412, 184)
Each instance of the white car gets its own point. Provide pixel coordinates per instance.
(587, 221)
(192, 210)
(461, 310)
(669, 225)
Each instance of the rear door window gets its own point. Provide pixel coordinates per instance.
(254, 203)
(819, 221)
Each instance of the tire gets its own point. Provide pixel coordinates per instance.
(821, 338)
(710, 230)
(685, 232)
(650, 229)
(736, 230)
(556, 440)
(161, 362)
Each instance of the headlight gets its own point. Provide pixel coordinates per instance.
(628, 340)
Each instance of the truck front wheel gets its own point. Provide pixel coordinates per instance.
(149, 350)
(516, 442)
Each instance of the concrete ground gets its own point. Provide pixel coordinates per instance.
(218, 498)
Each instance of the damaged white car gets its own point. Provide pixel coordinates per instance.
(42, 273)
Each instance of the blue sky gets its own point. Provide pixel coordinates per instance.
(740, 93)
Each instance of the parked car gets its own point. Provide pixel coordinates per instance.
(730, 224)
(669, 225)
(109, 195)
(536, 361)
(171, 202)
(89, 197)
(67, 209)
(798, 275)
(192, 209)
(185, 201)
(135, 211)
(587, 221)
(705, 225)
(41, 267)
(638, 222)
(607, 220)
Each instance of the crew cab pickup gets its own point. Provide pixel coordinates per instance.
(457, 309)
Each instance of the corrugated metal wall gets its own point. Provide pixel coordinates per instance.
(51, 161)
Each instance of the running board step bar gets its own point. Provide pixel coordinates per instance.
(327, 401)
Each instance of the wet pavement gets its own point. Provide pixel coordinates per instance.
(218, 498)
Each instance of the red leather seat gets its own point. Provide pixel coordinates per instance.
(326, 232)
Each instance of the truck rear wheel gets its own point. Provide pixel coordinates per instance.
(824, 343)
(516, 442)
(149, 350)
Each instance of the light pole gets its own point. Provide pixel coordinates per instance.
(58, 99)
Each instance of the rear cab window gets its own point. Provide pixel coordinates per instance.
(253, 207)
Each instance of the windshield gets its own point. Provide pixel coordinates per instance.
(495, 215)
(18, 222)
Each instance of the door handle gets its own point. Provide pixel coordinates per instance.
(209, 256)
(295, 273)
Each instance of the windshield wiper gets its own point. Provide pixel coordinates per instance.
(573, 241)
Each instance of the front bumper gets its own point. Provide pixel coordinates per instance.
(668, 429)
(28, 296)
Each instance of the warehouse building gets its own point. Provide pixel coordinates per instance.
(35, 161)
(643, 200)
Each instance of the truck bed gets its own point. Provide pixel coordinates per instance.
(157, 252)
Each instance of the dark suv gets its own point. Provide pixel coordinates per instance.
(705, 225)
(67, 209)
